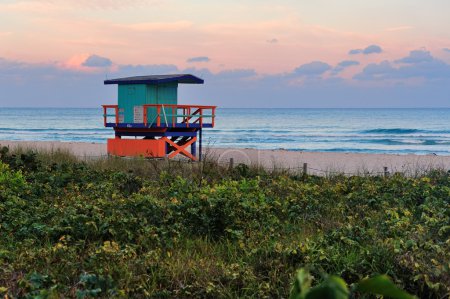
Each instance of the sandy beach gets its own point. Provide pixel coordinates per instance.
(317, 162)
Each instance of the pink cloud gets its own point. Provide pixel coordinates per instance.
(40, 5)
(399, 28)
(237, 44)
(78, 63)
(75, 62)
(158, 26)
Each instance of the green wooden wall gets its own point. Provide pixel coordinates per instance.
(131, 95)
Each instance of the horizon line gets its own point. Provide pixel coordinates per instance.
(218, 107)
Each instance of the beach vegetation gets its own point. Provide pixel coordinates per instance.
(115, 228)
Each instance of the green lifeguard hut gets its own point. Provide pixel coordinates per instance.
(148, 108)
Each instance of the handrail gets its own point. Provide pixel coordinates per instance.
(188, 117)
(181, 106)
(105, 114)
(164, 112)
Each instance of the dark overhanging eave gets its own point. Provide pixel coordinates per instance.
(157, 79)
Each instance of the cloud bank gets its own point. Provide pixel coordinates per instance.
(418, 79)
(419, 64)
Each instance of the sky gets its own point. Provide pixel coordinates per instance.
(251, 53)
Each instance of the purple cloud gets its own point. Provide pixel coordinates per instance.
(416, 56)
(343, 65)
(376, 71)
(355, 51)
(418, 64)
(199, 59)
(32, 85)
(347, 63)
(372, 49)
(314, 68)
(97, 61)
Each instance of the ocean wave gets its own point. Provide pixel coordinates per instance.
(390, 141)
(364, 150)
(260, 140)
(321, 134)
(400, 131)
(436, 142)
(263, 131)
(403, 141)
(382, 131)
(52, 129)
(382, 151)
(391, 131)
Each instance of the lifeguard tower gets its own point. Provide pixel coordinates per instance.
(149, 122)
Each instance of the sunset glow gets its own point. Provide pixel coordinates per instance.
(266, 38)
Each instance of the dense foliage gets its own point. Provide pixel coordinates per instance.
(112, 229)
(334, 287)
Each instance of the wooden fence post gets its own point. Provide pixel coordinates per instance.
(386, 172)
(231, 166)
(305, 168)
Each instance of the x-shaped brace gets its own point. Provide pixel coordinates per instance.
(181, 149)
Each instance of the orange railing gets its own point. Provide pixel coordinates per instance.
(188, 117)
(189, 114)
(105, 113)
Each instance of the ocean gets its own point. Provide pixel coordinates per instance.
(396, 131)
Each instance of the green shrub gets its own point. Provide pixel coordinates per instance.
(12, 183)
(334, 287)
(87, 229)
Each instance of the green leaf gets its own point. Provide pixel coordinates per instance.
(382, 285)
(333, 287)
(302, 283)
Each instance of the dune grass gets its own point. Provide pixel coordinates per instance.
(140, 228)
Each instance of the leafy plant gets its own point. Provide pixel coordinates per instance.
(158, 229)
(91, 285)
(334, 287)
(11, 182)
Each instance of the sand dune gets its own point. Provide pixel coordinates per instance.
(317, 162)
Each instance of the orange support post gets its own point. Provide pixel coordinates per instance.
(173, 116)
(158, 117)
(145, 115)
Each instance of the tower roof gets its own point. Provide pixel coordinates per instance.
(156, 79)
